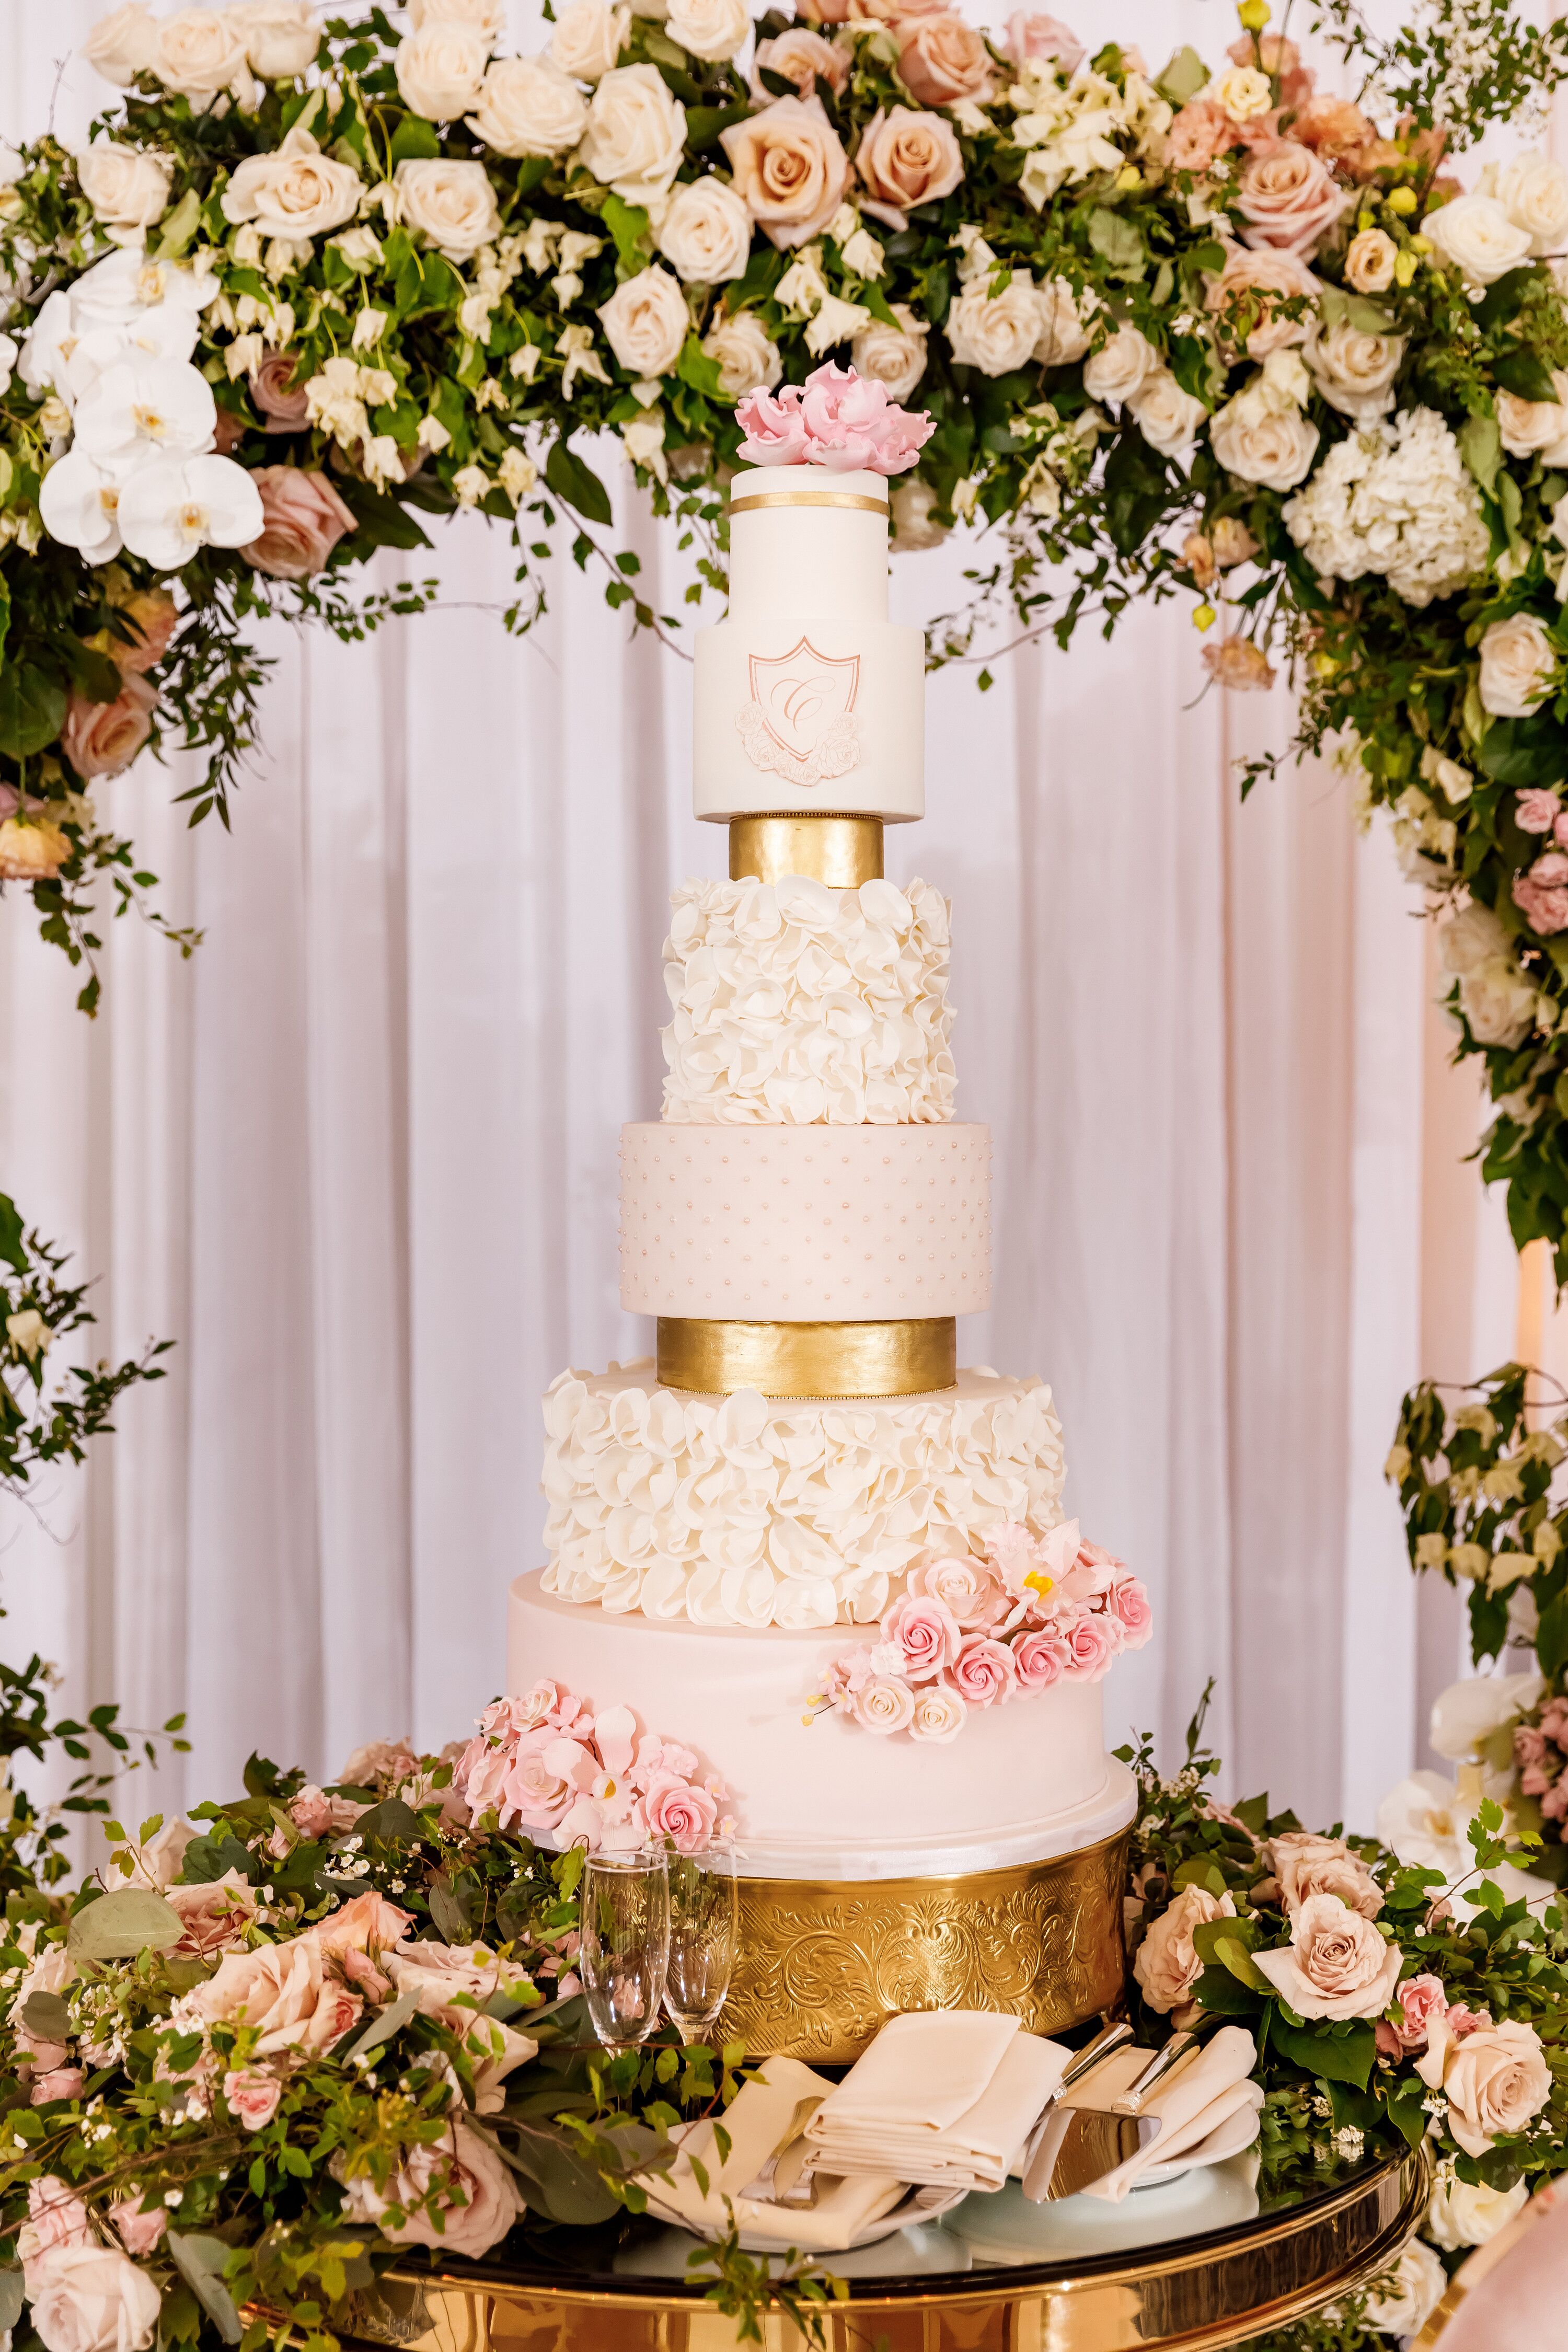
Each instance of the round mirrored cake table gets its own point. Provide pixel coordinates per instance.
(1217, 2256)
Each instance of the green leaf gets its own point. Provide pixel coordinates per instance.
(117, 1927)
(10, 2299)
(200, 2262)
(1117, 240)
(1500, 300)
(1199, 1870)
(413, 139)
(4, 608)
(450, 1911)
(576, 483)
(1233, 1954)
(11, 1245)
(703, 124)
(179, 226)
(47, 2018)
(694, 367)
(1218, 1990)
(628, 225)
(1183, 78)
(1525, 751)
(1481, 447)
(392, 2018)
(1552, 1638)
(392, 1822)
(1527, 377)
(382, 520)
(1337, 2057)
(31, 708)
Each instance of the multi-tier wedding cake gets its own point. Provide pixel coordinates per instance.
(825, 1569)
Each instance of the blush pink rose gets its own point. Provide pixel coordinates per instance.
(1334, 128)
(1537, 810)
(1130, 1607)
(789, 170)
(1554, 1721)
(983, 1672)
(463, 2165)
(302, 520)
(315, 1815)
(1045, 37)
(1269, 279)
(675, 1810)
(285, 1991)
(1420, 1999)
(1288, 198)
(253, 2094)
(965, 1585)
(925, 1632)
(215, 1916)
(55, 2218)
(1199, 133)
(1040, 1658)
(369, 1923)
(943, 59)
(907, 159)
(283, 405)
(1529, 1744)
(1541, 895)
(140, 2233)
(61, 2082)
(1554, 1803)
(1092, 1642)
(803, 56)
(100, 738)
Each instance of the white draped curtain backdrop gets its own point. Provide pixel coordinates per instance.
(358, 1156)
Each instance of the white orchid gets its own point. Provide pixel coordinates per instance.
(166, 333)
(1425, 1818)
(125, 283)
(175, 506)
(79, 504)
(141, 408)
(8, 353)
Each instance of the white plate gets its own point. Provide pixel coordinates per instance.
(1237, 2132)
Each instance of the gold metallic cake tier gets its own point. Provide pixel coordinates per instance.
(809, 1360)
(840, 851)
(824, 1964)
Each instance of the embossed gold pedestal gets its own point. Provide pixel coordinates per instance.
(840, 851)
(824, 1966)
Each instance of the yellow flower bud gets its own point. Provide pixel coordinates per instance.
(1204, 617)
(1402, 201)
(1253, 15)
(1405, 268)
(1130, 176)
(1422, 244)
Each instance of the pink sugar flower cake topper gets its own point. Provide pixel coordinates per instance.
(837, 419)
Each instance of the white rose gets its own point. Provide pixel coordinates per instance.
(1461, 2215)
(589, 37)
(529, 107)
(1404, 2299)
(89, 2298)
(1518, 659)
(1259, 440)
(1472, 939)
(995, 333)
(122, 44)
(127, 187)
(712, 29)
(1354, 370)
(295, 191)
(1064, 334)
(1477, 236)
(441, 69)
(281, 37)
(1532, 428)
(1467, 1713)
(1498, 1002)
(911, 507)
(646, 322)
(746, 356)
(1168, 418)
(896, 356)
(707, 232)
(486, 18)
(1533, 192)
(1119, 366)
(452, 203)
(200, 52)
(636, 139)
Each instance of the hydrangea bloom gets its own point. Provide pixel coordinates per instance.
(1393, 498)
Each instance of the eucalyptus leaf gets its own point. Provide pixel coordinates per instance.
(381, 2029)
(10, 2300)
(117, 1927)
(1481, 447)
(45, 2017)
(200, 2262)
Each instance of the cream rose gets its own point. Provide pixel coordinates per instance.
(1496, 2080)
(706, 234)
(89, 2298)
(801, 56)
(789, 170)
(995, 332)
(100, 738)
(646, 322)
(1354, 370)
(1464, 2214)
(1305, 1865)
(1477, 236)
(295, 191)
(1404, 2299)
(1533, 192)
(1369, 262)
(1119, 366)
(907, 159)
(127, 187)
(1270, 279)
(1259, 439)
(636, 139)
(1498, 1002)
(281, 37)
(589, 37)
(122, 44)
(1166, 1963)
(747, 358)
(285, 1991)
(1064, 329)
(200, 53)
(215, 1913)
(485, 17)
(451, 203)
(461, 2164)
(441, 69)
(1168, 418)
(715, 30)
(942, 59)
(529, 107)
(1518, 659)
(895, 356)
(1336, 1964)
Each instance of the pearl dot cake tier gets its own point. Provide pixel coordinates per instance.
(807, 698)
(1021, 1782)
(744, 1511)
(803, 1224)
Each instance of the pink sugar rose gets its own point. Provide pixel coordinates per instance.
(1130, 1607)
(549, 1769)
(1541, 895)
(883, 1703)
(983, 1671)
(140, 2233)
(252, 2095)
(1046, 37)
(660, 1756)
(927, 1634)
(1537, 810)
(680, 1811)
(852, 426)
(1040, 1658)
(1092, 1642)
(774, 430)
(964, 1584)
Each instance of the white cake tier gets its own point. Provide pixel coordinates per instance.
(746, 1510)
(805, 1224)
(796, 1005)
(829, 1801)
(807, 698)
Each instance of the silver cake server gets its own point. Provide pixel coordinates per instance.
(1169, 2059)
(1044, 2141)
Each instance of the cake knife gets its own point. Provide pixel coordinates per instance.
(1046, 2139)
(1170, 2058)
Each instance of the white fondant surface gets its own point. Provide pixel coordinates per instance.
(796, 1005)
(749, 1510)
(805, 1224)
(806, 696)
(1021, 1782)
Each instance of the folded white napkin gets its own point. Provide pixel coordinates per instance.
(945, 2098)
(1201, 2093)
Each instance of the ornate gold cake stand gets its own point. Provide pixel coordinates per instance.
(1196, 2286)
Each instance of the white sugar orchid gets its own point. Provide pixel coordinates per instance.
(172, 507)
(143, 408)
(79, 504)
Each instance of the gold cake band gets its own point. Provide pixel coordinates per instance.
(809, 1360)
(808, 499)
(841, 852)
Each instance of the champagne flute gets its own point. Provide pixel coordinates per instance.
(625, 1942)
(704, 1930)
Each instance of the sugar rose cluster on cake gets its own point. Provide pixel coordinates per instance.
(544, 1763)
(848, 423)
(977, 1630)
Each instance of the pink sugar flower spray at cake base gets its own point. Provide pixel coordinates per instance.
(845, 422)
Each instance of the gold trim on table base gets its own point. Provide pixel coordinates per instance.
(824, 1966)
(841, 852)
(1202, 2296)
(809, 1360)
